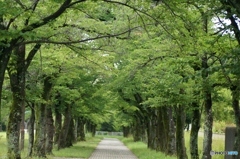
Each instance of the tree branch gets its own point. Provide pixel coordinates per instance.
(228, 79)
(21, 4)
(44, 21)
(145, 13)
(31, 55)
(46, 41)
(73, 48)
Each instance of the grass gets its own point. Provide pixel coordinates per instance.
(217, 145)
(85, 149)
(78, 150)
(141, 151)
(81, 149)
(3, 144)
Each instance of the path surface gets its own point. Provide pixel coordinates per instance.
(110, 148)
(214, 136)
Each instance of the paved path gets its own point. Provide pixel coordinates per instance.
(110, 148)
(214, 136)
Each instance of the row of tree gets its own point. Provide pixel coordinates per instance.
(144, 63)
(62, 81)
(190, 59)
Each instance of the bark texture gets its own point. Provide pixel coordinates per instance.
(180, 140)
(62, 143)
(235, 105)
(166, 141)
(208, 121)
(58, 120)
(40, 142)
(31, 131)
(49, 130)
(81, 129)
(70, 134)
(138, 129)
(194, 131)
(152, 130)
(16, 71)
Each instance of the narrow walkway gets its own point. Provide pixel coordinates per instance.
(110, 148)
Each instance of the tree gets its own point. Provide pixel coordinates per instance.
(25, 26)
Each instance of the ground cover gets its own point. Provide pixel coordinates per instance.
(141, 151)
(84, 149)
(79, 150)
(217, 144)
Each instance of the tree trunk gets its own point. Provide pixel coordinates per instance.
(58, 121)
(31, 131)
(194, 131)
(5, 53)
(39, 145)
(40, 142)
(126, 131)
(65, 128)
(14, 127)
(58, 126)
(235, 105)
(180, 140)
(70, 134)
(208, 121)
(80, 129)
(151, 130)
(93, 129)
(160, 137)
(171, 133)
(166, 140)
(161, 130)
(138, 131)
(17, 81)
(49, 130)
(22, 128)
(207, 141)
(76, 130)
(196, 116)
(22, 72)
